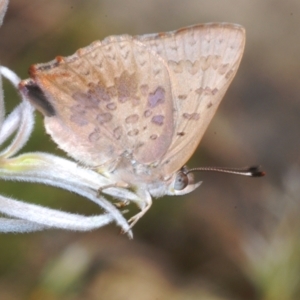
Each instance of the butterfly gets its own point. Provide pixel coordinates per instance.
(135, 108)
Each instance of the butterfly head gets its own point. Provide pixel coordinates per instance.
(182, 183)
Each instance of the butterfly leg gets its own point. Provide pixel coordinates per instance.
(116, 185)
(144, 205)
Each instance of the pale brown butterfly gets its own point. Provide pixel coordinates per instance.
(136, 107)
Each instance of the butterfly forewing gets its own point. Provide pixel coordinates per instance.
(109, 98)
(202, 61)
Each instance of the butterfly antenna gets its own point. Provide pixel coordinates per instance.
(254, 171)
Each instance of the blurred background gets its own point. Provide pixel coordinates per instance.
(232, 238)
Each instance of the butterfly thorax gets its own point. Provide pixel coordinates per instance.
(148, 177)
(129, 170)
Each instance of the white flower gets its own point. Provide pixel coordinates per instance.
(51, 170)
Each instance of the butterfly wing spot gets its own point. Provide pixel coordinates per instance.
(206, 91)
(79, 118)
(126, 86)
(132, 119)
(209, 105)
(78, 109)
(126, 54)
(100, 92)
(104, 118)
(157, 97)
(191, 67)
(94, 136)
(156, 71)
(147, 113)
(133, 132)
(177, 67)
(193, 116)
(111, 106)
(117, 132)
(181, 133)
(229, 74)
(86, 100)
(223, 68)
(142, 58)
(100, 65)
(216, 61)
(123, 45)
(153, 137)
(78, 115)
(182, 97)
(111, 56)
(158, 120)
(206, 61)
(214, 91)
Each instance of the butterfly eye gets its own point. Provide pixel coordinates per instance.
(181, 181)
